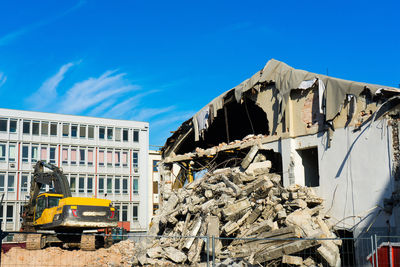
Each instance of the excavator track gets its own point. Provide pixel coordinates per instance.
(88, 242)
(35, 242)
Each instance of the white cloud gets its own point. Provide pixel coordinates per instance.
(3, 79)
(147, 113)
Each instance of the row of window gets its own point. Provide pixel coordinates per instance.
(46, 128)
(82, 183)
(71, 155)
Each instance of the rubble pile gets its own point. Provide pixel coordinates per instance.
(241, 202)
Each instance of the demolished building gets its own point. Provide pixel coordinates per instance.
(339, 137)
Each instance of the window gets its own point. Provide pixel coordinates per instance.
(3, 125)
(124, 213)
(101, 157)
(155, 187)
(90, 157)
(53, 201)
(101, 132)
(53, 128)
(135, 136)
(73, 156)
(155, 208)
(117, 134)
(24, 182)
(109, 158)
(125, 134)
(13, 126)
(43, 153)
(74, 130)
(90, 184)
(10, 213)
(11, 179)
(81, 184)
(26, 127)
(135, 187)
(45, 128)
(309, 158)
(65, 129)
(1, 215)
(135, 161)
(40, 206)
(2, 152)
(72, 184)
(117, 158)
(155, 162)
(82, 156)
(135, 212)
(35, 153)
(52, 155)
(101, 184)
(110, 133)
(91, 132)
(125, 186)
(65, 156)
(25, 153)
(2, 179)
(117, 188)
(125, 159)
(82, 131)
(109, 185)
(12, 153)
(35, 127)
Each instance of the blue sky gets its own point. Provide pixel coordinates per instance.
(161, 61)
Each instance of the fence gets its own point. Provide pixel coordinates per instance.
(376, 251)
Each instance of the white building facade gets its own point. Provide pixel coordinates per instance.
(102, 158)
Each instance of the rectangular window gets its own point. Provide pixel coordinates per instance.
(2, 152)
(124, 213)
(10, 213)
(82, 131)
(155, 163)
(35, 127)
(65, 129)
(26, 127)
(101, 184)
(90, 184)
(309, 158)
(53, 128)
(125, 186)
(101, 132)
(3, 125)
(25, 153)
(135, 136)
(117, 134)
(74, 130)
(101, 157)
(11, 179)
(155, 208)
(135, 187)
(52, 155)
(135, 213)
(12, 153)
(73, 156)
(45, 128)
(24, 182)
(13, 126)
(90, 132)
(81, 184)
(1, 215)
(81, 156)
(35, 153)
(109, 158)
(117, 188)
(135, 161)
(155, 187)
(90, 157)
(125, 134)
(2, 179)
(110, 133)
(125, 159)
(117, 158)
(72, 184)
(43, 153)
(65, 156)
(109, 185)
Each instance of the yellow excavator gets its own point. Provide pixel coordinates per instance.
(60, 219)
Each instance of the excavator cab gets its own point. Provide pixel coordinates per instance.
(46, 208)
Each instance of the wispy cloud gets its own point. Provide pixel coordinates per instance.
(3, 79)
(147, 113)
(10, 37)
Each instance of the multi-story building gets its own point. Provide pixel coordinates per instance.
(104, 158)
(154, 182)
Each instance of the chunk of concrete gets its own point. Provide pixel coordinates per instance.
(236, 208)
(249, 157)
(292, 260)
(257, 168)
(155, 252)
(175, 255)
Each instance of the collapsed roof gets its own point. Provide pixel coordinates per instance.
(243, 110)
